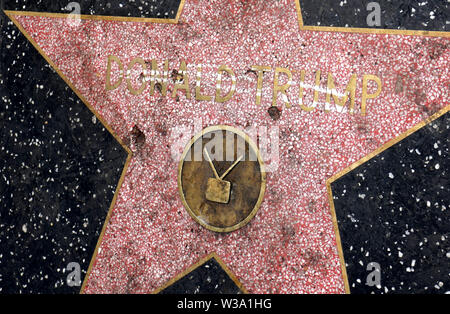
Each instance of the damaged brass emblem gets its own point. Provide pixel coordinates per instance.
(221, 178)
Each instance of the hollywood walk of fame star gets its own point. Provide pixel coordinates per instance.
(290, 246)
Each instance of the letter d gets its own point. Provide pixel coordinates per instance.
(110, 86)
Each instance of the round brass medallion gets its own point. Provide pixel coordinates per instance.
(221, 178)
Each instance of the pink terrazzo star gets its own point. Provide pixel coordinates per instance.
(290, 245)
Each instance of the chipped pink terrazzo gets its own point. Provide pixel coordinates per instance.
(290, 245)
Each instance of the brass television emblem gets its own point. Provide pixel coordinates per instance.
(221, 178)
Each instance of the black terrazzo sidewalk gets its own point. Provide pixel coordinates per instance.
(394, 210)
(429, 15)
(59, 168)
(138, 8)
(208, 278)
